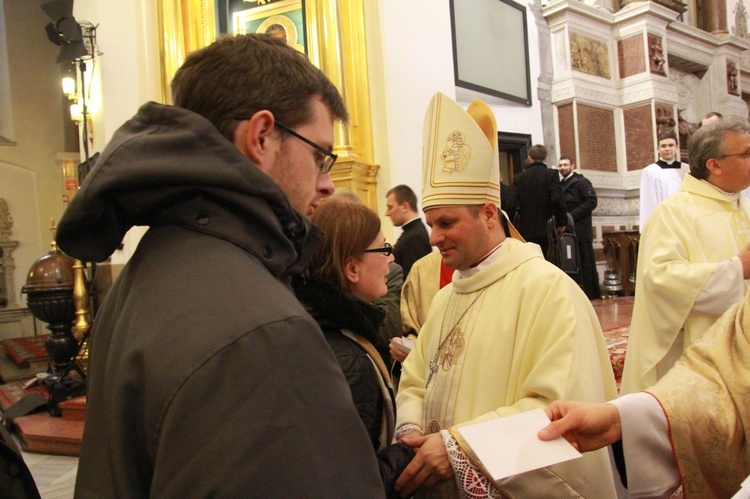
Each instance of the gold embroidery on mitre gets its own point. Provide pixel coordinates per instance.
(453, 348)
(456, 153)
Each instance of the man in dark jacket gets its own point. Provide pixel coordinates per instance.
(580, 201)
(539, 197)
(414, 242)
(207, 378)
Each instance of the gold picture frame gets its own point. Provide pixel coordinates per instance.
(285, 19)
(334, 40)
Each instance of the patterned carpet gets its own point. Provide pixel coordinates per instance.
(617, 343)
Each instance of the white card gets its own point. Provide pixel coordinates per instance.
(509, 446)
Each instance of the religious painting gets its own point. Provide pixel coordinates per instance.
(589, 56)
(283, 19)
(491, 48)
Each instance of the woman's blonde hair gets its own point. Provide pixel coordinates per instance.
(349, 228)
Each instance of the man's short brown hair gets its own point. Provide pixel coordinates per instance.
(538, 152)
(667, 134)
(244, 74)
(404, 194)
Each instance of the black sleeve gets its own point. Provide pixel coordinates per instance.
(362, 379)
(556, 198)
(619, 456)
(391, 303)
(587, 194)
(510, 202)
(392, 460)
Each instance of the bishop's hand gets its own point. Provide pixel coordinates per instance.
(428, 468)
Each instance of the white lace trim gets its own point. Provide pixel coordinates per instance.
(472, 483)
(406, 428)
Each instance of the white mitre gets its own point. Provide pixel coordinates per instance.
(460, 165)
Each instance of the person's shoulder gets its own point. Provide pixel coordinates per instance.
(534, 270)
(350, 355)
(582, 179)
(415, 223)
(673, 211)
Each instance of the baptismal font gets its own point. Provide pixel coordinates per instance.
(57, 294)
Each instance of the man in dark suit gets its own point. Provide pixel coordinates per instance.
(507, 199)
(539, 196)
(580, 200)
(414, 243)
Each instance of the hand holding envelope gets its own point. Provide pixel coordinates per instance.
(510, 445)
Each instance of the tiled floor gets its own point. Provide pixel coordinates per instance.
(613, 312)
(55, 475)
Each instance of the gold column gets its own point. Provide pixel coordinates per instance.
(336, 44)
(184, 26)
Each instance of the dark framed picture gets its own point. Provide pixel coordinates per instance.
(491, 48)
(281, 18)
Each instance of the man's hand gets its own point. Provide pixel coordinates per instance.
(745, 260)
(561, 229)
(428, 468)
(586, 426)
(397, 354)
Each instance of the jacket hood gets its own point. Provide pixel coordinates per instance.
(170, 166)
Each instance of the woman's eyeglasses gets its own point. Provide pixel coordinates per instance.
(387, 250)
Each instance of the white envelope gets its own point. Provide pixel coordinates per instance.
(509, 446)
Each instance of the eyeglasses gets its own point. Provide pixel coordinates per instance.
(743, 155)
(326, 162)
(329, 159)
(387, 250)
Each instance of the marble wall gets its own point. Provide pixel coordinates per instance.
(596, 136)
(639, 132)
(630, 56)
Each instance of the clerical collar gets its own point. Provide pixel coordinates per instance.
(664, 164)
(481, 264)
(735, 196)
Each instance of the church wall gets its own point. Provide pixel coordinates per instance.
(412, 59)
(409, 49)
(566, 124)
(127, 74)
(596, 135)
(631, 57)
(30, 177)
(638, 136)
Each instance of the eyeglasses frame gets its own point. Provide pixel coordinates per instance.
(743, 155)
(386, 250)
(326, 166)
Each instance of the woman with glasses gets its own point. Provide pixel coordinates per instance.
(346, 273)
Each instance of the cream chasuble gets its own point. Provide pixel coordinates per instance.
(515, 336)
(420, 287)
(706, 398)
(685, 278)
